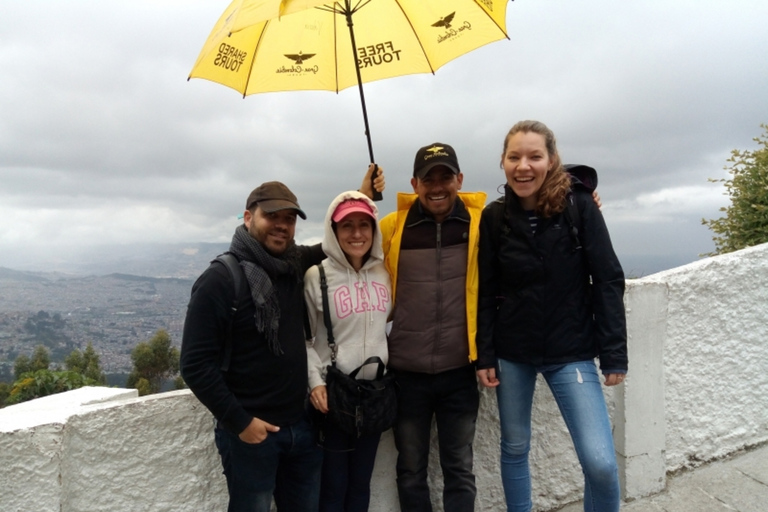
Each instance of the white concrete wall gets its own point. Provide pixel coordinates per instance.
(639, 423)
(31, 446)
(695, 392)
(716, 356)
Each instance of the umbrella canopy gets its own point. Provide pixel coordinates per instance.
(316, 48)
(312, 49)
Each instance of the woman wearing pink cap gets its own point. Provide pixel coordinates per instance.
(359, 297)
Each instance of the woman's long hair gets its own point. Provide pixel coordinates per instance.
(550, 199)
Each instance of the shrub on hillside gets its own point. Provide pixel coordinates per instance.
(41, 383)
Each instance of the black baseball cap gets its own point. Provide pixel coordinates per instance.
(432, 156)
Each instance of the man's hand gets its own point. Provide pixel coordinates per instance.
(488, 378)
(257, 431)
(613, 379)
(319, 398)
(596, 199)
(378, 182)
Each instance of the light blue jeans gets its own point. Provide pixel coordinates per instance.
(579, 395)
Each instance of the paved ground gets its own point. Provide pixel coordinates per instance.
(739, 483)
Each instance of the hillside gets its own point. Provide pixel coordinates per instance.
(114, 312)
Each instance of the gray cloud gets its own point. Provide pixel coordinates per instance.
(102, 139)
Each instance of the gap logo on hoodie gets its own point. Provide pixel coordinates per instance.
(361, 300)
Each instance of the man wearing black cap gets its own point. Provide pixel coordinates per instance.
(430, 247)
(267, 447)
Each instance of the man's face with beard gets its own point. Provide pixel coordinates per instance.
(274, 231)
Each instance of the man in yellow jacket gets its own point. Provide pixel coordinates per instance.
(430, 247)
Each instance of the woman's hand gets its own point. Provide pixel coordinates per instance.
(613, 379)
(487, 377)
(319, 398)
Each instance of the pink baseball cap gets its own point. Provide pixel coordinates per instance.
(352, 206)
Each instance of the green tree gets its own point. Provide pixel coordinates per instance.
(178, 383)
(5, 390)
(142, 385)
(86, 363)
(154, 361)
(45, 382)
(40, 360)
(746, 219)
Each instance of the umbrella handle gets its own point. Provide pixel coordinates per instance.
(376, 194)
(347, 11)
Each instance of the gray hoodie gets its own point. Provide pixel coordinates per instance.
(360, 304)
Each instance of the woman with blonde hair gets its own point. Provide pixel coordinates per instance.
(551, 301)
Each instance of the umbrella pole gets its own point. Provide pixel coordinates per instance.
(376, 194)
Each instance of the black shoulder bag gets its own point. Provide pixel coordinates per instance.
(357, 406)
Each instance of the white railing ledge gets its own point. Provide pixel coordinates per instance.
(58, 408)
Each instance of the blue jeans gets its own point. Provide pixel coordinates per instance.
(453, 399)
(579, 395)
(347, 468)
(286, 464)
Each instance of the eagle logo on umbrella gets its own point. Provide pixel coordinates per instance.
(446, 21)
(299, 58)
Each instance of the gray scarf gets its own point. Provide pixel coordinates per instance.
(260, 269)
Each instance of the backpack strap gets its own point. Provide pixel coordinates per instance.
(573, 218)
(238, 278)
(498, 226)
(585, 178)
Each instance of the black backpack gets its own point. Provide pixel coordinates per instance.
(582, 176)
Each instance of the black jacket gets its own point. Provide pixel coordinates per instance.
(258, 383)
(537, 305)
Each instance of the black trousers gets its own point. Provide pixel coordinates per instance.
(452, 398)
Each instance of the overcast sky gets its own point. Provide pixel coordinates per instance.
(103, 140)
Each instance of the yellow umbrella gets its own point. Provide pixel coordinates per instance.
(265, 46)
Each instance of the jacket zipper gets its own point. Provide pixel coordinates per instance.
(365, 321)
(439, 322)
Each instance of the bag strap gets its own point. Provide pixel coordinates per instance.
(238, 278)
(371, 360)
(327, 313)
(329, 328)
